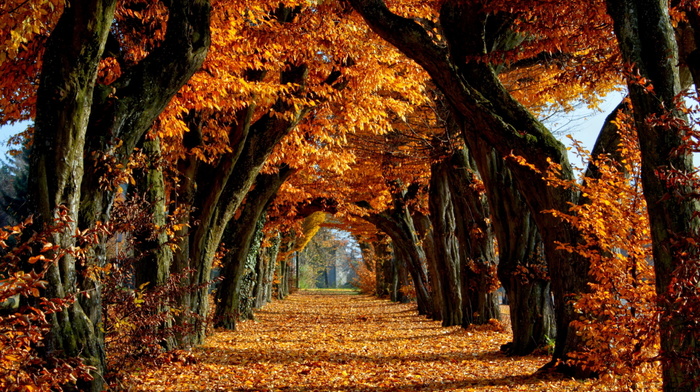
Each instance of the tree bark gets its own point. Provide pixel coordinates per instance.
(241, 233)
(64, 102)
(154, 256)
(435, 273)
(153, 267)
(475, 236)
(266, 270)
(520, 249)
(383, 264)
(447, 256)
(119, 120)
(646, 39)
(400, 278)
(249, 278)
(398, 224)
(75, 121)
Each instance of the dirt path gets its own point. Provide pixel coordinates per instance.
(315, 342)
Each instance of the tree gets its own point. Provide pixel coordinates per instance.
(13, 193)
(465, 71)
(619, 317)
(268, 102)
(241, 233)
(80, 114)
(646, 37)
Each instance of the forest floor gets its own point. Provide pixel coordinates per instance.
(313, 341)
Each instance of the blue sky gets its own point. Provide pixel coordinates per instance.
(5, 133)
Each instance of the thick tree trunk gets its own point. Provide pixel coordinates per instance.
(519, 246)
(645, 35)
(475, 236)
(249, 279)
(447, 255)
(515, 225)
(435, 273)
(241, 234)
(155, 259)
(154, 256)
(64, 102)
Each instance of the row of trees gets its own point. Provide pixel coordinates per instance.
(231, 124)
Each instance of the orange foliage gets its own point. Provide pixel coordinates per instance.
(619, 316)
(25, 312)
(25, 27)
(366, 280)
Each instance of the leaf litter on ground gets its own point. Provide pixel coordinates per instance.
(317, 342)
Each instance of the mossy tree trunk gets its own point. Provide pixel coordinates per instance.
(64, 102)
(646, 39)
(77, 124)
(155, 256)
(248, 281)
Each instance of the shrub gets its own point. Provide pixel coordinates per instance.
(25, 362)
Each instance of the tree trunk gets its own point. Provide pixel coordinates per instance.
(241, 233)
(153, 267)
(442, 217)
(646, 39)
(475, 236)
(435, 273)
(283, 277)
(249, 279)
(267, 261)
(367, 252)
(398, 224)
(64, 101)
(519, 246)
(400, 279)
(154, 256)
(383, 265)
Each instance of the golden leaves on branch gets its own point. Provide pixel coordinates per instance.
(619, 316)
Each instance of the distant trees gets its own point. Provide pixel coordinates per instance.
(14, 192)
